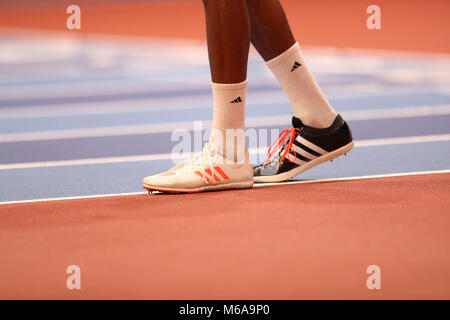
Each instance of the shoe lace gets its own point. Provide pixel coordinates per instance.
(205, 159)
(281, 143)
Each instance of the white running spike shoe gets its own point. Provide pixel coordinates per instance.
(205, 171)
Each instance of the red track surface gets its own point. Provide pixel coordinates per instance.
(416, 25)
(297, 241)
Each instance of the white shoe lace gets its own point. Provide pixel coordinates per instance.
(204, 158)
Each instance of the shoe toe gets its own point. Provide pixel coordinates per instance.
(257, 170)
(157, 181)
(149, 181)
(269, 170)
(173, 182)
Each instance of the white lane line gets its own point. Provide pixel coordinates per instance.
(373, 176)
(388, 175)
(75, 198)
(98, 132)
(106, 107)
(350, 115)
(402, 140)
(169, 156)
(393, 113)
(76, 162)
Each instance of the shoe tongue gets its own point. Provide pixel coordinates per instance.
(297, 123)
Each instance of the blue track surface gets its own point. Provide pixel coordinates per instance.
(41, 100)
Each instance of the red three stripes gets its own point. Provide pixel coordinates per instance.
(214, 176)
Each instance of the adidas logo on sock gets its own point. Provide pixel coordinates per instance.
(237, 100)
(295, 66)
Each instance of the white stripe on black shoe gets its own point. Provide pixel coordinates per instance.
(306, 147)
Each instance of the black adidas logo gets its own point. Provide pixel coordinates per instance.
(295, 66)
(237, 100)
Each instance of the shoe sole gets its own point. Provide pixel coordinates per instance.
(294, 172)
(228, 186)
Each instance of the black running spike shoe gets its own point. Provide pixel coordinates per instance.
(301, 148)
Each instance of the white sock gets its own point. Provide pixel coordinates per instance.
(307, 100)
(229, 113)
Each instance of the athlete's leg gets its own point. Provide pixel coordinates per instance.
(318, 133)
(270, 31)
(223, 164)
(272, 37)
(228, 35)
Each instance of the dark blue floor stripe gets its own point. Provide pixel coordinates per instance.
(67, 149)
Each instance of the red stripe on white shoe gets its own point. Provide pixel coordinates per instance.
(201, 176)
(222, 173)
(208, 171)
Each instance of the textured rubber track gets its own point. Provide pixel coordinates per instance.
(283, 242)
